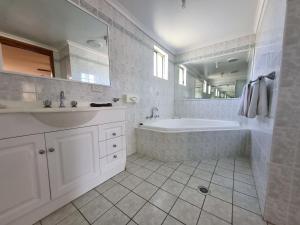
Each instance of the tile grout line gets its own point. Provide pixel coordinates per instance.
(177, 197)
(144, 179)
(233, 180)
(114, 205)
(195, 168)
(169, 177)
(208, 191)
(158, 188)
(77, 209)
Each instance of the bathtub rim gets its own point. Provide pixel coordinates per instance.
(194, 129)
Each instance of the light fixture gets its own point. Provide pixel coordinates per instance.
(183, 4)
(94, 43)
(231, 60)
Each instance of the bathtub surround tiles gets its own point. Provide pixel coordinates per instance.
(191, 145)
(170, 203)
(131, 71)
(217, 109)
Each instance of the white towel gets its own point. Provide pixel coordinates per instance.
(263, 105)
(244, 101)
(253, 100)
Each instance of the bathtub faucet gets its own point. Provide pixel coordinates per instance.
(154, 113)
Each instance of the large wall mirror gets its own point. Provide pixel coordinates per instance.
(218, 77)
(53, 39)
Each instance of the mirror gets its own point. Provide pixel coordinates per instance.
(217, 77)
(53, 39)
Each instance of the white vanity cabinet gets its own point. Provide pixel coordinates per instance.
(43, 167)
(24, 183)
(72, 159)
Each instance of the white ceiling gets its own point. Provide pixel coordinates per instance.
(201, 23)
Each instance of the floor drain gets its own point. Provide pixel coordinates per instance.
(203, 189)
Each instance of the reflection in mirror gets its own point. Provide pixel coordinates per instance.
(213, 78)
(53, 39)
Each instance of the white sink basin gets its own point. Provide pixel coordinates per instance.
(65, 118)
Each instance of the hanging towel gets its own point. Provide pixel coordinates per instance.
(263, 105)
(244, 101)
(253, 100)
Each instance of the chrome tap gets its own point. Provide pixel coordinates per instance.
(154, 113)
(61, 99)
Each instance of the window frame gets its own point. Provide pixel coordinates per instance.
(165, 60)
(184, 78)
(204, 86)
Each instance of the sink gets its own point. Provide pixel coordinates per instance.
(64, 118)
(59, 117)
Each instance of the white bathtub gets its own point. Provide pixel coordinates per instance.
(189, 125)
(191, 139)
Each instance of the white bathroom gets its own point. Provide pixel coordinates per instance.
(136, 112)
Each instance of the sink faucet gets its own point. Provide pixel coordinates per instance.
(154, 113)
(61, 99)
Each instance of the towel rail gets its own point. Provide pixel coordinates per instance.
(270, 76)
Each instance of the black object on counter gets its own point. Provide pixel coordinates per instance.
(101, 105)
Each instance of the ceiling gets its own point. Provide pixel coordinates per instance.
(202, 22)
(51, 23)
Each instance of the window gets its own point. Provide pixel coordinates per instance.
(217, 93)
(182, 75)
(198, 88)
(204, 86)
(209, 89)
(161, 60)
(88, 78)
(20, 57)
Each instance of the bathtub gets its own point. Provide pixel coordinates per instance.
(191, 139)
(189, 125)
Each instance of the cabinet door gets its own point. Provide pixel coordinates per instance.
(24, 183)
(73, 159)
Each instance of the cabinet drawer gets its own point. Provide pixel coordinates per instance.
(112, 145)
(112, 130)
(110, 161)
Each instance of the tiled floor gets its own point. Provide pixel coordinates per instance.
(151, 192)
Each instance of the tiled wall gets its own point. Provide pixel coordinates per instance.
(267, 58)
(283, 190)
(218, 109)
(131, 72)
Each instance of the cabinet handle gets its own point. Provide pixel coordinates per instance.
(51, 149)
(42, 151)
(114, 145)
(114, 134)
(115, 156)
